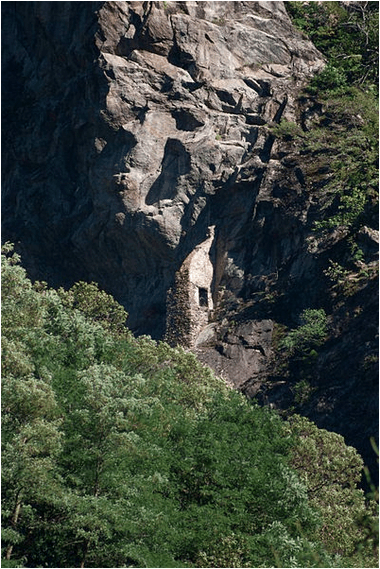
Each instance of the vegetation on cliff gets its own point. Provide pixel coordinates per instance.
(330, 362)
(343, 137)
(124, 452)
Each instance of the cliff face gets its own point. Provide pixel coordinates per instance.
(129, 128)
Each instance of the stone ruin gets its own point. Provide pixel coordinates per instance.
(189, 301)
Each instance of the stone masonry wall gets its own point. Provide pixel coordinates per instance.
(189, 301)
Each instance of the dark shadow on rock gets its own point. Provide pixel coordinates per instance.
(176, 162)
(267, 149)
(262, 88)
(185, 120)
(182, 59)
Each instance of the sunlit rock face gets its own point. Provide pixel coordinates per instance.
(131, 127)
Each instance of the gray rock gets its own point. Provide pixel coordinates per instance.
(239, 352)
(127, 126)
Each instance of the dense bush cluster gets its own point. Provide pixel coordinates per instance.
(123, 452)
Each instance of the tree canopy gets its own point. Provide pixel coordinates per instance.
(124, 452)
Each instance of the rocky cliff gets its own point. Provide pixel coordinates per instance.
(129, 128)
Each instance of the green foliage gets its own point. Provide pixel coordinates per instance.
(348, 282)
(337, 274)
(21, 306)
(95, 304)
(225, 481)
(331, 470)
(347, 35)
(330, 81)
(344, 141)
(303, 390)
(125, 452)
(310, 334)
(287, 130)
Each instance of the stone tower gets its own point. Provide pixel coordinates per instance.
(189, 301)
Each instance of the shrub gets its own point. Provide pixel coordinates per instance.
(331, 81)
(287, 130)
(310, 334)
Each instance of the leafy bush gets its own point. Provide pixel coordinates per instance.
(330, 81)
(310, 334)
(287, 130)
(95, 304)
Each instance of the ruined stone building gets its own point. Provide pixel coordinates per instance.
(189, 301)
